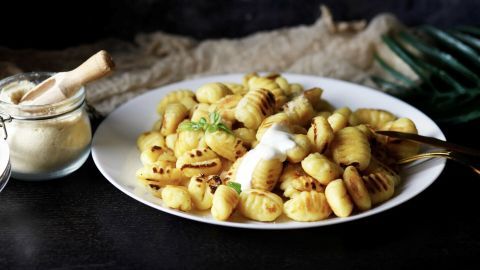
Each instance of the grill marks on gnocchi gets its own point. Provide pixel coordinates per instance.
(338, 165)
(200, 192)
(294, 180)
(148, 139)
(380, 186)
(156, 154)
(255, 106)
(269, 83)
(356, 188)
(199, 161)
(160, 174)
(188, 140)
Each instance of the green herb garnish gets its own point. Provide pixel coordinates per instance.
(236, 186)
(190, 125)
(213, 125)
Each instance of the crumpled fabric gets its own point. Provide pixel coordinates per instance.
(342, 50)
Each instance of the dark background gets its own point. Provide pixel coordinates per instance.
(84, 222)
(33, 24)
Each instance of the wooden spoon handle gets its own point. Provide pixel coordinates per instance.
(96, 67)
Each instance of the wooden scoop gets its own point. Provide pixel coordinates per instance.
(64, 84)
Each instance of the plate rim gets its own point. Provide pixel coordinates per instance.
(254, 224)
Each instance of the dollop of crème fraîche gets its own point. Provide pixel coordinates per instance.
(275, 143)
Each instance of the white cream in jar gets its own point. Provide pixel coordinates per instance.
(275, 143)
(46, 141)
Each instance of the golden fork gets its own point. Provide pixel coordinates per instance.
(461, 154)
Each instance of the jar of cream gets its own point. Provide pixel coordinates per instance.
(45, 141)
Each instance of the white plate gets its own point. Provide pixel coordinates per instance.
(116, 156)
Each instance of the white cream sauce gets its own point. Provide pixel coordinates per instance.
(275, 143)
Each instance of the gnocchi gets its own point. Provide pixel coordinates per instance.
(330, 161)
(148, 139)
(225, 144)
(268, 83)
(321, 168)
(350, 147)
(199, 161)
(338, 199)
(307, 206)
(301, 150)
(177, 197)
(226, 107)
(294, 180)
(174, 97)
(200, 192)
(299, 110)
(187, 140)
(161, 174)
(398, 148)
(255, 106)
(174, 114)
(212, 92)
(260, 205)
(156, 154)
(320, 134)
(266, 174)
(225, 200)
(356, 188)
(373, 117)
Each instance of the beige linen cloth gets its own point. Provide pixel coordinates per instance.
(332, 49)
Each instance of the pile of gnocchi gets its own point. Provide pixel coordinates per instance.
(338, 165)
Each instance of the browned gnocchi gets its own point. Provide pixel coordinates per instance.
(265, 148)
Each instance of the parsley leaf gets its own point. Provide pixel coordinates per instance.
(215, 124)
(224, 128)
(236, 186)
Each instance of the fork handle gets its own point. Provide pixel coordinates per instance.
(462, 159)
(430, 141)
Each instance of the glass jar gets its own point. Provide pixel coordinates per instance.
(5, 168)
(45, 141)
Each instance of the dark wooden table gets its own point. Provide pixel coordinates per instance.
(82, 221)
